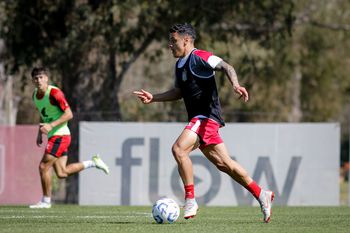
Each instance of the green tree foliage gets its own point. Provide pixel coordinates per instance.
(91, 45)
(291, 55)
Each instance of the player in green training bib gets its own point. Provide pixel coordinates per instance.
(51, 112)
(55, 114)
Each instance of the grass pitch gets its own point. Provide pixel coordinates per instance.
(86, 219)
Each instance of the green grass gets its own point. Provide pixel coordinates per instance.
(85, 219)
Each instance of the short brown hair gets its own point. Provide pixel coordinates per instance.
(39, 70)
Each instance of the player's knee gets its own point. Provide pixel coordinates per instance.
(62, 175)
(43, 168)
(174, 149)
(177, 152)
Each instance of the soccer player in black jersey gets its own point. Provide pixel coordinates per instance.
(195, 84)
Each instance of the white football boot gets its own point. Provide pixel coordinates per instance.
(41, 205)
(265, 200)
(100, 164)
(190, 208)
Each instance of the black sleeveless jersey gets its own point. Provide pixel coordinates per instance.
(196, 80)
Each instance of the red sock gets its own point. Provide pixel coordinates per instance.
(189, 191)
(254, 188)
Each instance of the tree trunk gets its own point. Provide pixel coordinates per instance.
(8, 102)
(296, 112)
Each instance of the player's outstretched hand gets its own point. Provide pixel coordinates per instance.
(144, 96)
(242, 93)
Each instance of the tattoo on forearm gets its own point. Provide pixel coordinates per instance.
(230, 72)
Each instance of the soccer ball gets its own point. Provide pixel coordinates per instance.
(165, 210)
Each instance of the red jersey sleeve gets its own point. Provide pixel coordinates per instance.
(57, 98)
(203, 54)
(208, 57)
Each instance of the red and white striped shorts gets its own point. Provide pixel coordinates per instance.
(207, 129)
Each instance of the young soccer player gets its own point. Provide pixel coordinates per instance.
(195, 84)
(55, 114)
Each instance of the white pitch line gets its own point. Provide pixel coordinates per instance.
(81, 216)
(38, 216)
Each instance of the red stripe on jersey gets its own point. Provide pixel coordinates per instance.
(203, 54)
(57, 98)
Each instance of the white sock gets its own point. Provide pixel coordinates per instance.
(88, 164)
(193, 200)
(46, 199)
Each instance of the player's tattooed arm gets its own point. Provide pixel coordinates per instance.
(229, 71)
(232, 77)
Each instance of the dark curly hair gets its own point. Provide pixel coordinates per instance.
(184, 29)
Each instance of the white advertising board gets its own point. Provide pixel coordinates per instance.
(299, 162)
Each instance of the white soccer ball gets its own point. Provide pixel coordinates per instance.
(165, 210)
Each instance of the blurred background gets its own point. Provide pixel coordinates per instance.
(292, 56)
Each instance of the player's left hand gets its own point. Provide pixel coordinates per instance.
(242, 93)
(45, 128)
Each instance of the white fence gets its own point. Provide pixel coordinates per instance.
(300, 162)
